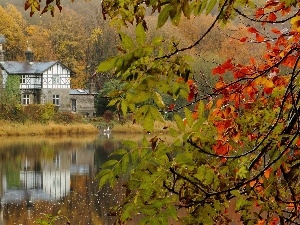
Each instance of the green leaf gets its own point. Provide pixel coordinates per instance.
(124, 106)
(164, 15)
(158, 100)
(157, 41)
(110, 163)
(210, 6)
(201, 108)
(201, 5)
(105, 177)
(107, 64)
(130, 144)
(186, 9)
(140, 34)
(188, 116)
(126, 41)
(175, 18)
(179, 122)
(242, 172)
(125, 162)
(235, 193)
(118, 152)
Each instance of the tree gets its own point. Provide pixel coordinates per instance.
(13, 32)
(239, 145)
(40, 43)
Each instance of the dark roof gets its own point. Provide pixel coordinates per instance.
(23, 68)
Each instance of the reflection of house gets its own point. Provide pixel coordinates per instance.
(45, 82)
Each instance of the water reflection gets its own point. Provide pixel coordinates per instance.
(44, 176)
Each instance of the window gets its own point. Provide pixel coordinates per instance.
(25, 99)
(23, 79)
(56, 100)
(56, 79)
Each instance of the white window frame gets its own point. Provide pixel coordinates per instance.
(25, 99)
(56, 100)
(23, 79)
(55, 79)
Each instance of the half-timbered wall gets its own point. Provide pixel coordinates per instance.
(30, 82)
(56, 77)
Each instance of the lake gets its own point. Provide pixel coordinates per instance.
(41, 176)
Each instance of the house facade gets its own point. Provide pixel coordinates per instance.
(46, 82)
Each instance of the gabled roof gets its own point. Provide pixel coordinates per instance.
(24, 68)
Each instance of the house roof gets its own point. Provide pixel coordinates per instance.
(23, 68)
(79, 92)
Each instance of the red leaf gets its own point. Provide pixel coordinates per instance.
(268, 90)
(298, 142)
(272, 17)
(191, 96)
(218, 70)
(243, 39)
(171, 106)
(252, 30)
(221, 149)
(27, 5)
(268, 45)
(276, 31)
(259, 13)
(227, 65)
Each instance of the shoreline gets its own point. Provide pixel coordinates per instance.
(35, 129)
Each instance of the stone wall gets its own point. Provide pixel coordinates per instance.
(84, 104)
(64, 98)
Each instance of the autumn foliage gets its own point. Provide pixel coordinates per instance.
(236, 143)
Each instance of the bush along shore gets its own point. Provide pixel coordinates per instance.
(42, 120)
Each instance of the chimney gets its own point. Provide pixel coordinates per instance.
(29, 55)
(2, 41)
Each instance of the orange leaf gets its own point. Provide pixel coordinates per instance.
(219, 103)
(268, 45)
(261, 222)
(195, 115)
(267, 172)
(220, 84)
(260, 38)
(209, 105)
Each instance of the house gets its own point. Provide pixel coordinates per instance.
(46, 82)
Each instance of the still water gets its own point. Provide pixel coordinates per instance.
(41, 176)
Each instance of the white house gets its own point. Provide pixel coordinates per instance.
(46, 82)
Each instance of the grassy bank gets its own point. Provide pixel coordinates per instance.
(130, 128)
(19, 129)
